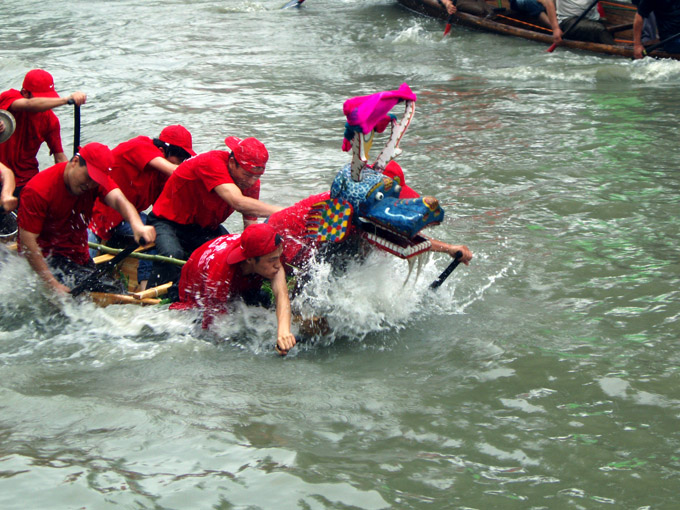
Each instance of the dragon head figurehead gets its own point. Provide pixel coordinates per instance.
(386, 221)
(363, 200)
(381, 217)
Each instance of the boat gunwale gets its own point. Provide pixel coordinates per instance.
(625, 49)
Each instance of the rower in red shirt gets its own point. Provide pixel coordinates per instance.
(35, 123)
(234, 266)
(56, 206)
(200, 195)
(141, 167)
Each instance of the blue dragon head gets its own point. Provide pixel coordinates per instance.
(382, 218)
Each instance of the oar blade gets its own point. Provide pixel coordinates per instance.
(293, 3)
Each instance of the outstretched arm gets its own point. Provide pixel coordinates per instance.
(30, 248)
(452, 249)
(162, 165)
(285, 339)
(551, 17)
(232, 195)
(143, 233)
(42, 104)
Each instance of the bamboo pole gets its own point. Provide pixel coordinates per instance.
(135, 254)
(153, 292)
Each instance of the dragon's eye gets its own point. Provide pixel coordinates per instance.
(379, 195)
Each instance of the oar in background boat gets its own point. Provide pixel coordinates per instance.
(293, 3)
(653, 47)
(76, 125)
(445, 274)
(450, 19)
(578, 20)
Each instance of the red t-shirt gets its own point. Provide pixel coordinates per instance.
(188, 196)
(32, 129)
(208, 282)
(140, 183)
(58, 217)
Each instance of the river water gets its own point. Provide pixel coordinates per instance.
(545, 375)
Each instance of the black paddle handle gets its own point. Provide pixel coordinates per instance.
(101, 269)
(76, 125)
(578, 20)
(445, 274)
(651, 48)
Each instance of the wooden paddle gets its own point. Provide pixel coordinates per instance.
(101, 269)
(578, 20)
(445, 274)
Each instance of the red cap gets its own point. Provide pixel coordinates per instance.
(179, 136)
(394, 171)
(258, 239)
(249, 153)
(39, 83)
(99, 160)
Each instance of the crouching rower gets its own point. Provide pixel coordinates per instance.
(56, 207)
(235, 266)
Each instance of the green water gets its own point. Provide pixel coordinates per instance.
(544, 375)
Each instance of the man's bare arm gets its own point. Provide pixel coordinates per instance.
(33, 253)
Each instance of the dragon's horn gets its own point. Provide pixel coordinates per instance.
(392, 149)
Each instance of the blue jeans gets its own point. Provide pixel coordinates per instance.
(179, 242)
(531, 7)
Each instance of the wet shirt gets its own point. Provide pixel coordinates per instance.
(58, 217)
(573, 8)
(667, 14)
(140, 183)
(188, 197)
(209, 283)
(32, 129)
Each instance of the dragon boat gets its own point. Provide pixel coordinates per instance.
(362, 210)
(618, 18)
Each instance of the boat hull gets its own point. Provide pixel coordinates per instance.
(618, 15)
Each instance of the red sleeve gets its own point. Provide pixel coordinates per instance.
(8, 97)
(52, 133)
(102, 191)
(32, 212)
(142, 153)
(213, 171)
